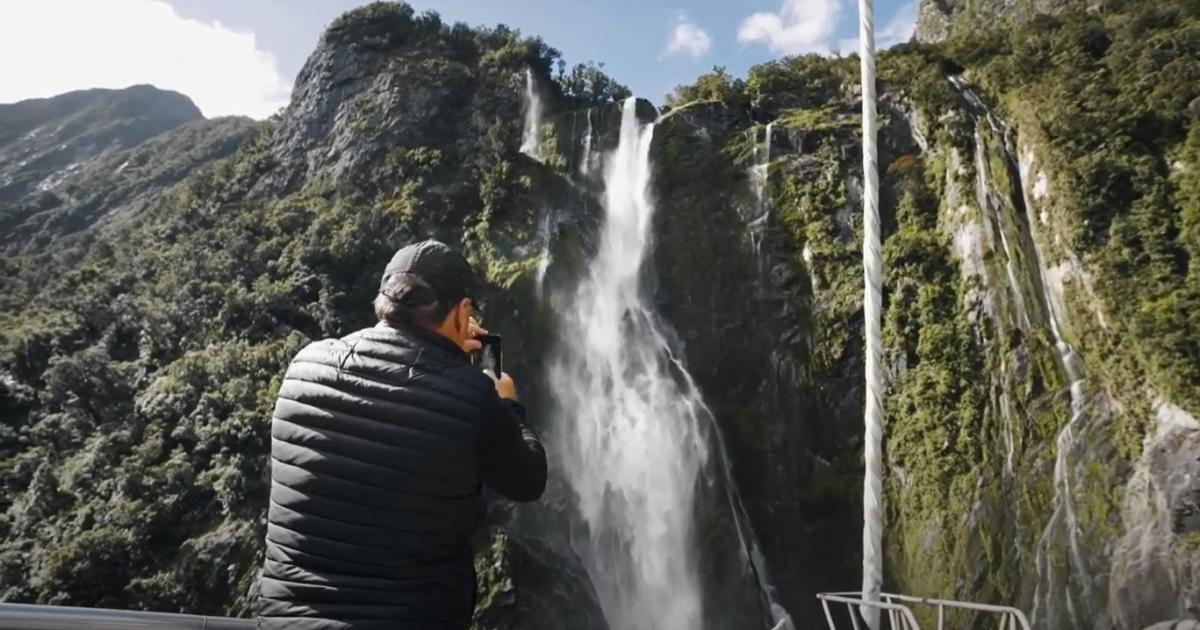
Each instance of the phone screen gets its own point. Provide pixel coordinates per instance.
(489, 356)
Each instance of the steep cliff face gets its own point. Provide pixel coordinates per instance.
(937, 20)
(1034, 404)
(746, 320)
(1041, 205)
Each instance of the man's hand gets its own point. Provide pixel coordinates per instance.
(504, 385)
(473, 330)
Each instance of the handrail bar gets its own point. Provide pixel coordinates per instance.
(901, 616)
(930, 601)
(38, 617)
(1019, 620)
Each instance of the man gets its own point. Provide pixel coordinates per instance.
(379, 443)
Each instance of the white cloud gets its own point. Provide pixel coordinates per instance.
(688, 39)
(800, 26)
(53, 46)
(897, 30)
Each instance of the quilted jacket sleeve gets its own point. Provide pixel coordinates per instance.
(512, 460)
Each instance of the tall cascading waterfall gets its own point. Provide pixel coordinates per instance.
(1064, 595)
(1055, 590)
(531, 137)
(636, 443)
(992, 203)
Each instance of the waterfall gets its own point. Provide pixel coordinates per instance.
(1069, 440)
(990, 209)
(585, 161)
(635, 447)
(756, 228)
(1059, 589)
(1069, 443)
(531, 140)
(634, 442)
(546, 237)
(987, 205)
(760, 176)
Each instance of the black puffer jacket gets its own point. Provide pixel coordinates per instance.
(379, 443)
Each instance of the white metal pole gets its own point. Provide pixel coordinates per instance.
(873, 276)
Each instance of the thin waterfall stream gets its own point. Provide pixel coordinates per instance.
(641, 444)
(531, 137)
(1054, 590)
(1063, 595)
(585, 161)
(760, 175)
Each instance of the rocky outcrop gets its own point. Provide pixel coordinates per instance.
(939, 19)
(1154, 567)
(752, 355)
(531, 585)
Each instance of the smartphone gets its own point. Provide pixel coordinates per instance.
(489, 356)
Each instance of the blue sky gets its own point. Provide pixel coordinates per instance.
(241, 56)
(629, 36)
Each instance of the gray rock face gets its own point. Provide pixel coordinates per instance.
(938, 19)
(1151, 580)
(370, 89)
(934, 19)
(527, 584)
(757, 386)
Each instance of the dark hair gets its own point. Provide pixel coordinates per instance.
(406, 299)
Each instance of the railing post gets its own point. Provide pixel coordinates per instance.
(828, 617)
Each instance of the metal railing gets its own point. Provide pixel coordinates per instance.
(898, 615)
(1010, 618)
(901, 617)
(34, 617)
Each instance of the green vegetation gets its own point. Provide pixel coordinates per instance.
(1109, 101)
(717, 85)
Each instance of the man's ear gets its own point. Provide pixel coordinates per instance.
(462, 314)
